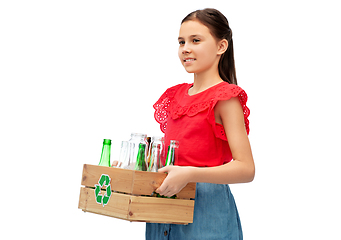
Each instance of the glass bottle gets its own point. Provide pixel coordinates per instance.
(156, 154)
(124, 157)
(172, 154)
(105, 156)
(140, 164)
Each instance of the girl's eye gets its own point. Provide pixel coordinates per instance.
(181, 42)
(196, 40)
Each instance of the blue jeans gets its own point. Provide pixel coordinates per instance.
(215, 217)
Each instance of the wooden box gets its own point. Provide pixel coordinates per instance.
(126, 194)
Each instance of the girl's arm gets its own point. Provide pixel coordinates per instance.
(240, 170)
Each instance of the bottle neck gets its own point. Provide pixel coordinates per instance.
(106, 151)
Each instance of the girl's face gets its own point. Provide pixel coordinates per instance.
(199, 51)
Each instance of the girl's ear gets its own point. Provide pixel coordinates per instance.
(222, 46)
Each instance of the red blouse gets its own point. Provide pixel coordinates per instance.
(190, 120)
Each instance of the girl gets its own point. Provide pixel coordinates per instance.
(209, 119)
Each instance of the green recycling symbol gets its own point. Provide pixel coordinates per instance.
(104, 180)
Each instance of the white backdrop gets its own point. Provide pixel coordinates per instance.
(75, 72)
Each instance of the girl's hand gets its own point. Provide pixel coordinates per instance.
(176, 180)
(116, 164)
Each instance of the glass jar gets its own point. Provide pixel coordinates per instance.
(133, 148)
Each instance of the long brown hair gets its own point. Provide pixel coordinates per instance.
(220, 29)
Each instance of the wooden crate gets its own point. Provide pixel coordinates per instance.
(126, 194)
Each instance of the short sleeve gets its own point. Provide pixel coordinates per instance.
(162, 106)
(225, 93)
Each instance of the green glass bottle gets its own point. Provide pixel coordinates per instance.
(172, 154)
(105, 156)
(141, 158)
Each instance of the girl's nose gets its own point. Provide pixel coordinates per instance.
(186, 49)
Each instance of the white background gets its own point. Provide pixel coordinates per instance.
(75, 72)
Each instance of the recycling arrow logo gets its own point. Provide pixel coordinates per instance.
(104, 180)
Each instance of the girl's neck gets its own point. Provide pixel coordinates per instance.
(203, 81)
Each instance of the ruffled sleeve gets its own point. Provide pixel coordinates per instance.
(227, 92)
(162, 106)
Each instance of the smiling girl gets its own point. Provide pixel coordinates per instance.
(209, 118)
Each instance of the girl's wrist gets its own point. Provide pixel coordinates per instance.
(192, 174)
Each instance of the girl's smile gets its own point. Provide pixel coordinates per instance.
(188, 61)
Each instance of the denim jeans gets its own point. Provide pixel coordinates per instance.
(215, 217)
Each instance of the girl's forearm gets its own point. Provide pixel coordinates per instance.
(177, 178)
(233, 172)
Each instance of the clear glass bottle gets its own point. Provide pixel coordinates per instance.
(105, 156)
(124, 157)
(156, 154)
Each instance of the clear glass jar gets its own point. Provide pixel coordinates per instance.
(133, 149)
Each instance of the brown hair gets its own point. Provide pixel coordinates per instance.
(220, 29)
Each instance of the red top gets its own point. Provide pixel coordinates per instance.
(190, 120)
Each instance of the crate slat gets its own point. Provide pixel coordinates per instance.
(138, 208)
(161, 210)
(117, 206)
(121, 179)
